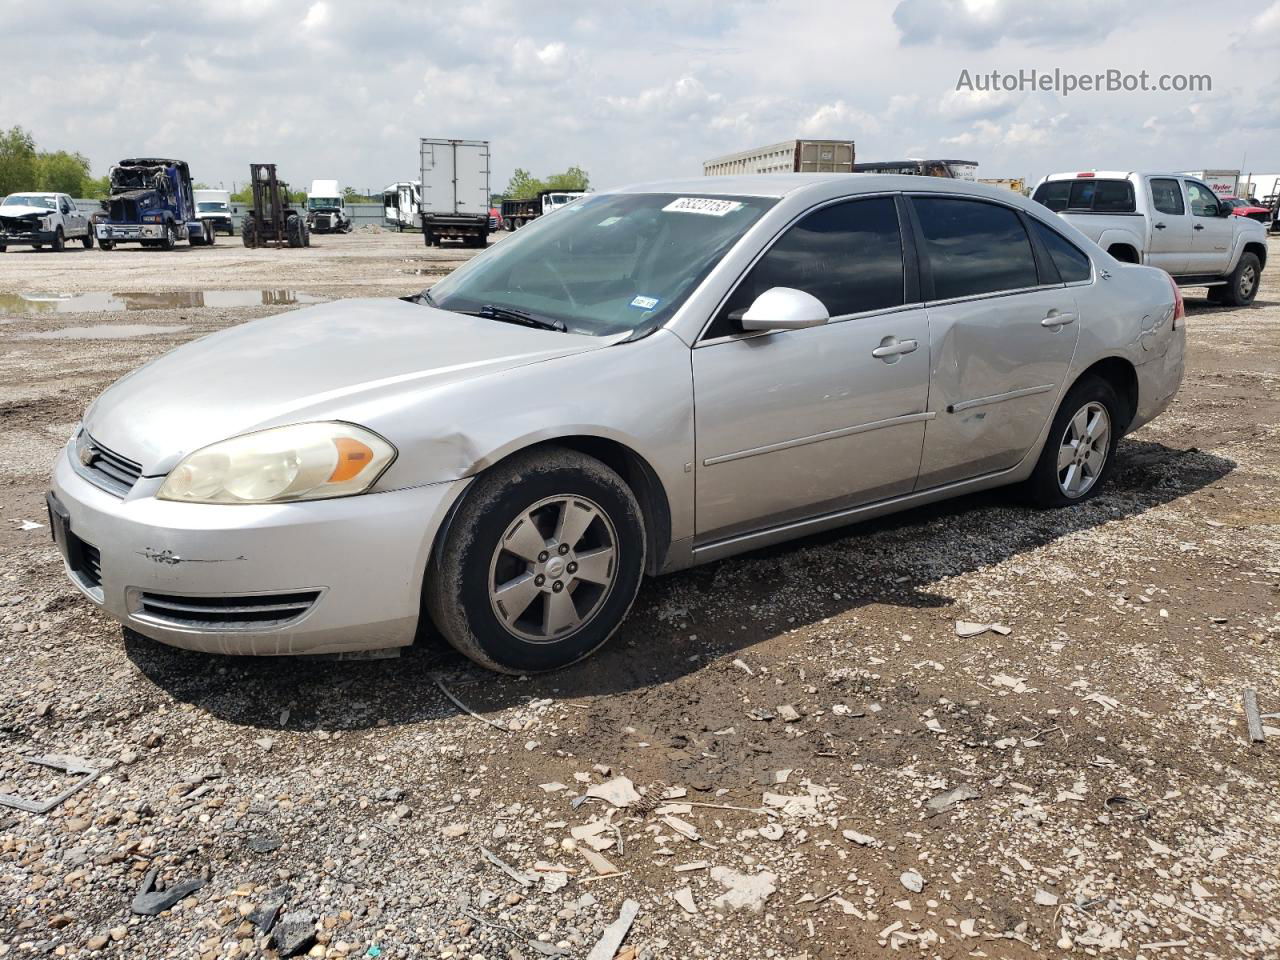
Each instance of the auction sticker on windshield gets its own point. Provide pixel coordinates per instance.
(704, 205)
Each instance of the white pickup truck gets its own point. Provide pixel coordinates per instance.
(37, 219)
(1167, 220)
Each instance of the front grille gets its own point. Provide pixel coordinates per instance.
(228, 613)
(1260, 217)
(102, 467)
(90, 564)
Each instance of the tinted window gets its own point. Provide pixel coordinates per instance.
(974, 247)
(849, 256)
(1166, 196)
(1099, 196)
(1203, 202)
(1070, 260)
(1054, 194)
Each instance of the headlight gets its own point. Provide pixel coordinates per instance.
(305, 461)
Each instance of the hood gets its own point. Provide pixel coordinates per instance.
(21, 210)
(339, 361)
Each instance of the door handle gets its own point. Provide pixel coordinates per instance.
(1198, 226)
(1158, 226)
(891, 347)
(1056, 319)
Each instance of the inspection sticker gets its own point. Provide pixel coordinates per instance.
(645, 303)
(703, 205)
(608, 221)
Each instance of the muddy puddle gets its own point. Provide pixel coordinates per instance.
(103, 331)
(164, 300)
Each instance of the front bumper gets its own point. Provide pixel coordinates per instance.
(362, 558)
(122, 232)
(10, 238)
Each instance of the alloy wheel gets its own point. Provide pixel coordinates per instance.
(1248, 278)
(553, 569)
(1082, 452)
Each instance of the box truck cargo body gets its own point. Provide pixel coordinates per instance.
(790, 156)
(1224, 183)
(455, 191)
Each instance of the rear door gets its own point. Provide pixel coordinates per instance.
(1211, 234)
(1002, 332)
(1170, 245)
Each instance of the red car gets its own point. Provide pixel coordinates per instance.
(1243, 208)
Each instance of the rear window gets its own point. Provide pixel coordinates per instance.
(1087, 195)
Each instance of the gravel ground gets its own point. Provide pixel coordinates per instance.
(790, 754)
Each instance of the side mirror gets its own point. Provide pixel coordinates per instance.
(1223, 209)
(784, 308)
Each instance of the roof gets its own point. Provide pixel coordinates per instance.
(32, 193)
(784, 184)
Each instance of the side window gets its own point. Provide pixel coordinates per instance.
(1166, 196)
(848, 255)
(1070, 260)
(1203, 202)
(66, 205)
(974, 247)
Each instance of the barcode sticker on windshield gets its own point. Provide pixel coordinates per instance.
(645, 303)
(703, 205)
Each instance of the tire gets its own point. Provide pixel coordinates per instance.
(3, 248)
(531, 491)
(293, 231)
(87, 239)
(306, 234)
(59, 241)
(170, 238)
(210, 234)
(1243, 284)
(428, 237)
(1049, 485)
(249, 232)
(106, 244)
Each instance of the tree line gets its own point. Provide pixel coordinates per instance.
(524, 185)
(23, 167)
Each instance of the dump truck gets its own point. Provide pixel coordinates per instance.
(271, 218)
(516, 213)
(455, 191)
(151, 202)
(789, 156)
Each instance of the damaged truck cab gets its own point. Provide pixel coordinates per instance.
(152, 203)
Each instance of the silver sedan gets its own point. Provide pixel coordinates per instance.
(642, 381)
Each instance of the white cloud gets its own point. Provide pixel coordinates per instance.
(317, 16)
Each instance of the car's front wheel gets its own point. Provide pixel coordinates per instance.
(1080, 450)
(1242, 286)
(540, 564)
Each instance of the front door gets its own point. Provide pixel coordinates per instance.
(1170, 245)
(796, 423)
(1211, 234)
(1002, 332)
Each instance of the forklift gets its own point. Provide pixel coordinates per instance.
(271, 219)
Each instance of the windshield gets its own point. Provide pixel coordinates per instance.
(211, 206)
(25, 200)
(315, 203)
(560, 198)
(607, 264)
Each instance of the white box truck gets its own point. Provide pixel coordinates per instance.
(455, 191)
(1223, 183)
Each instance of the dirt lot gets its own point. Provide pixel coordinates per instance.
(799, 720)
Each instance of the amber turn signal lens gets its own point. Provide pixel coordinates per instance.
(353, 456)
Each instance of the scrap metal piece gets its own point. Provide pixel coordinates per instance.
(1252, 717)
(67, 764)
(148, 901)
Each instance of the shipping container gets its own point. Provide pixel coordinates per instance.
(455, 191)
(790, 156)
(912, 167)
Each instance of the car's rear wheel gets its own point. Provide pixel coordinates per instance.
(1242, 286)
(540, 564)
(87, 239)
(1080, 450)
(59, 241)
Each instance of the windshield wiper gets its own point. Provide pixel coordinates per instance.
(510, 315)
(423, 297)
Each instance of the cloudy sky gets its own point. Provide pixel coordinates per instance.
(337, 88)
